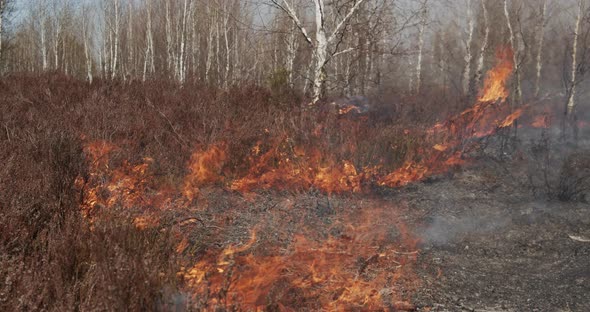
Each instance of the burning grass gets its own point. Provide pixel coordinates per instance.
(129, 180)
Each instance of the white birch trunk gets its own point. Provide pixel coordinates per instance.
(130, 46)
(56, 35)
(484, 45)
(541, 37)
(42, 34)
(2, 9)
(148, 63)
(169, 43)
(468, 54)
(322, 41)
(571, 103)
(87, 56)
(116, 38)
(320, 52)
(292, 46)
(421, 46)
(181, 64)
(515, 52)
(227, 48)
(209, 59)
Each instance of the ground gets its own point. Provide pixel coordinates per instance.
(498, 248)
(484, 242)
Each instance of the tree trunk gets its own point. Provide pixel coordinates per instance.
(484, 46)
(570, 112)
(541, 37)
(148, 62)
(116, 39)
(2, 9)
(43, 43)
(320, 52)
(421, 46)
(468, 54)
(517, 87)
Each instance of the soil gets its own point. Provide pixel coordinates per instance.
(497, 247)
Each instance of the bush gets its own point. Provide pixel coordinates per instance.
(574, 178)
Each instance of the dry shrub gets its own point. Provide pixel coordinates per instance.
(51, 258)
(574, 178)
(558, 172)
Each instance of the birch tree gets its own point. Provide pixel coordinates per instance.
(3, 12)
(484, 45)
(116, 34)
(540, 39)
(323, 42)
(148, 62)
(570, 111)
(468, 53)
(422, 27)
(515, 53)
(86, 33)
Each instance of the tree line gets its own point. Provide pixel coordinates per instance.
(316, 47)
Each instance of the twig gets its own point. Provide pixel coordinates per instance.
(579, 239)
(179, 137)
(405, 253)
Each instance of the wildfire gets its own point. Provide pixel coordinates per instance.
(484, 118)
(354, 270)
(204, 168)
(495, 83)
(338, 273)
(278, 164)
(542, 121)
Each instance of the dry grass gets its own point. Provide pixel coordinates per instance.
(51, 258)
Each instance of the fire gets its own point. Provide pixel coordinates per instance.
(489, 114)
(280, 164)
(301, 169)
(337, 273)
(357, 269)
(204, 168)
(127, 186)
(542, 121)
(495, 83)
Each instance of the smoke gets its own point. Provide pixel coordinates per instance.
(448, 229)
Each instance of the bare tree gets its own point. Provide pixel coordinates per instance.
(484, 45)
(515, 52)
(422, 27)
(468, 53)
(148, 63)
(3, 12)
(570, 111)
(323, 40)
(86, 33)
(540, 39)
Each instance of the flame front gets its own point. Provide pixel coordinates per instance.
(356, 270)
(494, 88)
(337, 273)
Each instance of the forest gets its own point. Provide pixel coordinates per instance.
(294, 155)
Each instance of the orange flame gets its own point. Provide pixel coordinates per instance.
(495, 83)
(204, 168)
(541, 121)
(339, 273)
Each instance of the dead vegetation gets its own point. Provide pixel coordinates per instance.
(117, 198)
(53, 257)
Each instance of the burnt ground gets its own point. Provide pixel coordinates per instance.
(486, 243)
(497, 247)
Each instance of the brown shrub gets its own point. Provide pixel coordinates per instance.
(51, 258)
